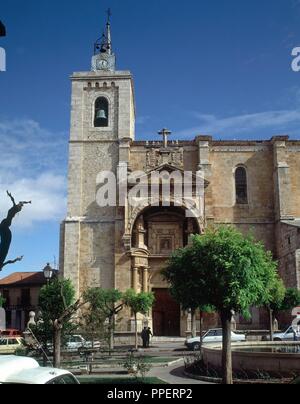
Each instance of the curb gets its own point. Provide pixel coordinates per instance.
(118, 370)
(169, 364)
(214, 380)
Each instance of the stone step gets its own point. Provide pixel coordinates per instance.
(167, 339)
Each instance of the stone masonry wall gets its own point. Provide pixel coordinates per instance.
(289, 254)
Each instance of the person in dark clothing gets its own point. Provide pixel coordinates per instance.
(144, 336)
(149, 335)
(2, 29)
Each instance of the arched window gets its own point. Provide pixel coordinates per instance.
(241, 186)
(101, 113)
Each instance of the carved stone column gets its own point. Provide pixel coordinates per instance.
(135, 277)
(205, 168)
(145, 280)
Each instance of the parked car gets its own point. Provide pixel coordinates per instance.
(288, 335)
(77, 343)
(212, 336)
(9, 345)
(10, 332)
(21, 370)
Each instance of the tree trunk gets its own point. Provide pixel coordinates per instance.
(226, 317)
(57, 347)
(271, 325)
(111, 334)
(194, 324)
(201, 331)
(136, 331)
(45, 359)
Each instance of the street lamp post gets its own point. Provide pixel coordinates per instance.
(48, 273)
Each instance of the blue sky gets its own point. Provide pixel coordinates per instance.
(211, 66)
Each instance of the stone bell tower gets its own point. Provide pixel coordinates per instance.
(102, 127)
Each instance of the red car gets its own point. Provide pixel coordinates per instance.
(10, 333)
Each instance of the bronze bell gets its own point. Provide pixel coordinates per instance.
(101, 114)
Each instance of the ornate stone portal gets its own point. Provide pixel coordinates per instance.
(156, 234)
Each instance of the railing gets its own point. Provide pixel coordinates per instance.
(20, 307)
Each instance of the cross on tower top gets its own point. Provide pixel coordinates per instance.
(165, 133)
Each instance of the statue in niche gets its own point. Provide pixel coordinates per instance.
(165, 246)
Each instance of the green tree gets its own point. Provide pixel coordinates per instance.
(184, 290)
(138, 303)
(275, 302)
(104, 304)
(57, 304)
(230, 272)
(2, 301)
(291, 299)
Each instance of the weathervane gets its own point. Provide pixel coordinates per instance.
(109, 14)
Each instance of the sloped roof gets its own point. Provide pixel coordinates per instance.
(295, 223)
(23, 279)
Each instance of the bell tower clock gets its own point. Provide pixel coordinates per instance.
(104, 58)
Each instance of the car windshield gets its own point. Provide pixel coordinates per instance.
(75, 338)
(65, 379)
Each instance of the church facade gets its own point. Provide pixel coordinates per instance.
(253, 185)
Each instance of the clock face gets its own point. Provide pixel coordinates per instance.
(99, 62)
(102, 64)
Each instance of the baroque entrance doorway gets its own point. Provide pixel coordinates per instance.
(166, 314)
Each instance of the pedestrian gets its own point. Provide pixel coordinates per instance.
(144, 336)
(149, 335)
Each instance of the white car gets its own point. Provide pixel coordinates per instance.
(9, 345)
(21, 370)
(77, 342)
(288, 335)
(212, 336)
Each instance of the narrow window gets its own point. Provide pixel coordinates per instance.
(25, 298)
(101, 113)
(241, 186)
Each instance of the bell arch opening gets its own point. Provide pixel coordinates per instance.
(101, 113)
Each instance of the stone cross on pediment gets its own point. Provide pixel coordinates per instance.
(165, 133)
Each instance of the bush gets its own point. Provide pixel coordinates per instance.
(136, 366)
